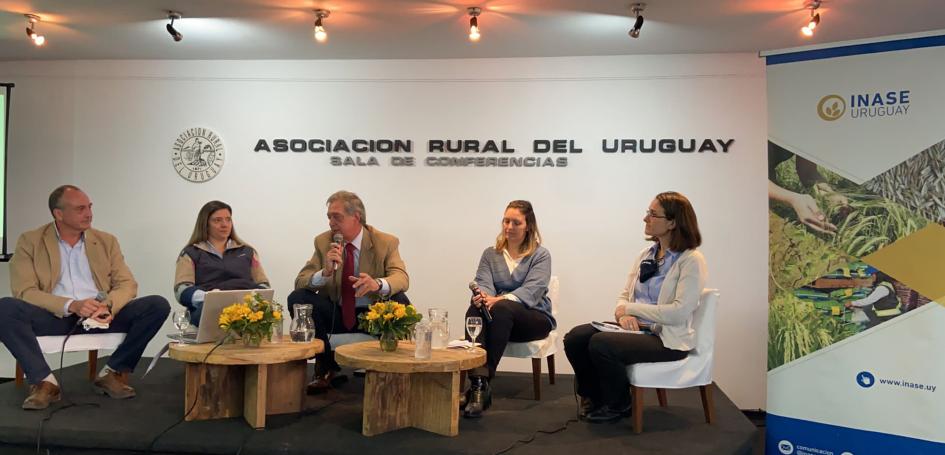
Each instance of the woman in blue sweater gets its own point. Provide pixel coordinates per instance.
(513, 280)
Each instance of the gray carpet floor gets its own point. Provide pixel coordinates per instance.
(331, 424)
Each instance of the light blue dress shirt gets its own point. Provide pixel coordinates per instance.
(649, 292)
(75, 274)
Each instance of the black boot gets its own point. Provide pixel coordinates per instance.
(585, 407)
(480, 397)
(464, 399)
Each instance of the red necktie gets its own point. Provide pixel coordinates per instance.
(347, 291)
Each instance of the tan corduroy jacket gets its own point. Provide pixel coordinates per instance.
(35, 267)
(380, 258)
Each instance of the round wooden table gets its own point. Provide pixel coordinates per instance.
(402, 391)
(235, 380)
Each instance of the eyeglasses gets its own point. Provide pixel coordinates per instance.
(653, 214)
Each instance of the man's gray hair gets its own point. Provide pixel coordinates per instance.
(353, 204)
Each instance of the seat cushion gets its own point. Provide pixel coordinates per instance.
(533, 349)
(80, 342)
(341, 339)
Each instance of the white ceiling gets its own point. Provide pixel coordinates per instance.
(418, 29)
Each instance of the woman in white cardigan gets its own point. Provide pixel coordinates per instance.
(659, 298)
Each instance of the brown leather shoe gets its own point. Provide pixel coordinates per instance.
(321, 383)
(41, 395)
(112, 385)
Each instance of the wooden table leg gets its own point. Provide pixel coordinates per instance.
(212, 391)
(434, 402)
(429, 401)
(254, 395)
(286, 388)
(386, 400)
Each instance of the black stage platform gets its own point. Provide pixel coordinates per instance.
(331, 424)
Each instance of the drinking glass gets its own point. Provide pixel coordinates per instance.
(182, 322)
(473, 327)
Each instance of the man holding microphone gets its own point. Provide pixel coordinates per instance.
(353, 265)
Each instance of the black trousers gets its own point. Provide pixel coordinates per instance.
(600, 361)
(327, 317)
(21, 323)
(511, 321)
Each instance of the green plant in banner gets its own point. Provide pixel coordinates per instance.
(796, 328)
(796, 256)
(871, 223)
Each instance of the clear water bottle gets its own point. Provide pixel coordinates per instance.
(277, 326)
(423, 336)
(440, 326)
(302, 329)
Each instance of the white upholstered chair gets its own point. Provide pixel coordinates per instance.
(91, 342)
(693, 371)
(540, 349)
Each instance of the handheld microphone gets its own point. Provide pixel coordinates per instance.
(339, 239)
(101, 297)
(485, 311)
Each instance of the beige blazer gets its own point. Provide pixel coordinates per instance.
(678, 299)
(34, 269)
(380, 258)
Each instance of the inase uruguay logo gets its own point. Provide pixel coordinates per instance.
(865, 105)
(831, 107)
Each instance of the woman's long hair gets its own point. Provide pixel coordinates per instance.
(201, 228)
(686, 233)
(532, 236)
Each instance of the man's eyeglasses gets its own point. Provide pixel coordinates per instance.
(653, 214)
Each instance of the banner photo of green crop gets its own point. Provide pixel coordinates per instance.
(820, 225)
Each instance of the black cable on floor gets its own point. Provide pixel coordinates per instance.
(192, 405)
(534, 435)
(577, 417)
(302, 414)
(66, 403)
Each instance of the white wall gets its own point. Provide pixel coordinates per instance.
(109, 126)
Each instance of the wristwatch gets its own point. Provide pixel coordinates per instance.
(380, 285)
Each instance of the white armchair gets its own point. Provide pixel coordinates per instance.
(693, 371)
(91, 342)
(540, 349)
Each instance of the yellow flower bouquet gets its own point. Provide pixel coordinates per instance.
(391, 321)
(251, 320)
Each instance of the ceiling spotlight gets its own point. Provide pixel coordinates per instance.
(38, 39)
(320, 34)
(474, 12)
(637, 9)
(174, 16)
(808, 30)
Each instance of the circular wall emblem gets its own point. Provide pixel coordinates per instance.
(831, 107)
(785, 447)
(198, 155)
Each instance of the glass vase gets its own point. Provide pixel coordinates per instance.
(251, 341)
(388, 342)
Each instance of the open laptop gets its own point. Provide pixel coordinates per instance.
(209, 330)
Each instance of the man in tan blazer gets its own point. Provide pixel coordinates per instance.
(62, 274)
(343, 278)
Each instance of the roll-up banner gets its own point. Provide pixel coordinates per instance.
(856, 169)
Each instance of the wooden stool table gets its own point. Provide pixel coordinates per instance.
(235, 380)
(402, 391)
